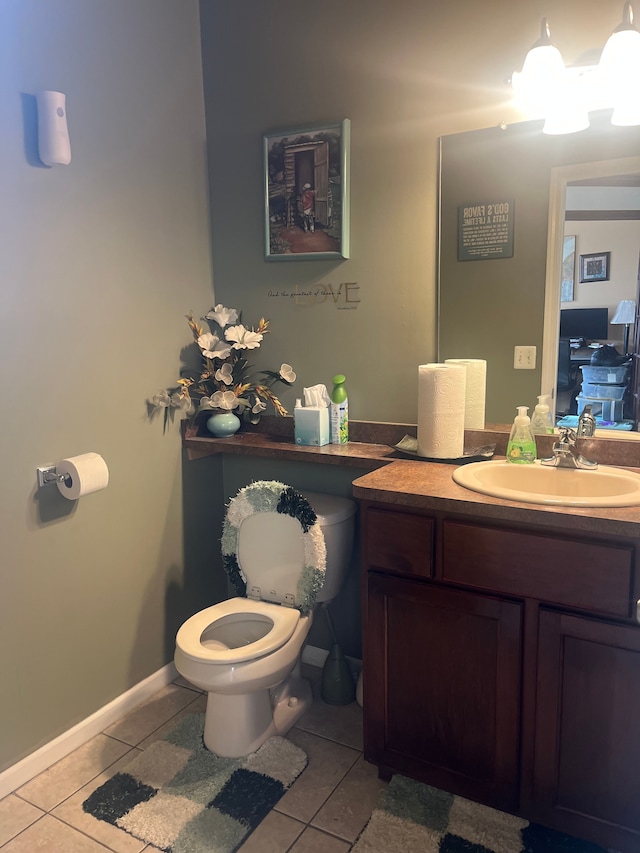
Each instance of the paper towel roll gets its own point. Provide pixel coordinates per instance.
(441, 410)
(476, 390)
(83, 475)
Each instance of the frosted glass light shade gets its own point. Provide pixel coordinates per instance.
(619, 71)
(542, 72)
(558, 122)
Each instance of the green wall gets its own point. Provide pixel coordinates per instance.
(405, 74)
(100, 260)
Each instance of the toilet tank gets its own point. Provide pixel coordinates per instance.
(336, 517)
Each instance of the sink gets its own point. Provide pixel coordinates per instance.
(540, 484)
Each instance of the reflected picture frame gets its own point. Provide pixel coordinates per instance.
(306, 192)
(568, 268)
(595, 267)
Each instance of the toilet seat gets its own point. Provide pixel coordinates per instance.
(288, 568)
(283, 623)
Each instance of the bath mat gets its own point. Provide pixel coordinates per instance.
(411, 816)
(182, 798)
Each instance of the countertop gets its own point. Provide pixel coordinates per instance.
(413, 483)
(429, 486)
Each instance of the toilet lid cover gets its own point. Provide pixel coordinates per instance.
(260, 557)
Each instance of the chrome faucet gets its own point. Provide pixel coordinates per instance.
(586, 423)
(566, 453)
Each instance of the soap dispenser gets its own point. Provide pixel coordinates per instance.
(541, 420)
(521, 447)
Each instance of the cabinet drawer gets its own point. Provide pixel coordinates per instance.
(399, 542)
(574, 573)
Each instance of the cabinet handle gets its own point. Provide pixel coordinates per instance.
(638, 610)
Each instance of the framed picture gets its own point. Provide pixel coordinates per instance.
(568, 269)
(595, 267)
(306, 193)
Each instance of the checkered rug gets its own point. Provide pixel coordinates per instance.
(412, 817)
(182, 798)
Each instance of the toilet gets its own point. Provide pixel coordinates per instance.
(284, 553)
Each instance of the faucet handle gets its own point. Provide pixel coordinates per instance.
(567, 436)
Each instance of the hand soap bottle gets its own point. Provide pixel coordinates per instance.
(521, 447)
(541, 420)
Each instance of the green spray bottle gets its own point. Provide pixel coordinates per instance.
(339, 411)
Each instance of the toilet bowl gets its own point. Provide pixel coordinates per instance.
(284, 552)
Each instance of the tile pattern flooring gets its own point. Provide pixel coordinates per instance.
(323, 812)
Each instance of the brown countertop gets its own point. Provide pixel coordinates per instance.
(429, 486)
(371, 443)
(406, 482)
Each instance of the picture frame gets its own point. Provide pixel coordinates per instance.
(595, 267)
(568, 269)
(306, 192)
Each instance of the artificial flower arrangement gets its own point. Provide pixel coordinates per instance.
(225, 382)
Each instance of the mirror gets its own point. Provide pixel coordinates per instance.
(490, 305)
(598, 205)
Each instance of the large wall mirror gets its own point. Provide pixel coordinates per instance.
(488, 305)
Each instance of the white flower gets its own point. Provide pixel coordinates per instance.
(224, 400)
(181, 401)
(213, 347)
(225, 374)
(223, 316)
(205, 403)
(161, 399)
(258, 406)
(243, 338)
(287, 373)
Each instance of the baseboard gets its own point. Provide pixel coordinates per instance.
(18, 774)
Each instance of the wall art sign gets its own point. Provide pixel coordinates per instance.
(306, 193)
(485, 230)
(595, 267)
(345, 296)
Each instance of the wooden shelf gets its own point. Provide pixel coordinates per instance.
(273, 438)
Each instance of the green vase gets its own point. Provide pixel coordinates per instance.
(223, 424)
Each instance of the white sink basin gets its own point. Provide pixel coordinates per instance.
(540, 484)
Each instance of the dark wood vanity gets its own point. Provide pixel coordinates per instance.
(502, 650)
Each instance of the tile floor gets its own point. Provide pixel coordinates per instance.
(324, 811)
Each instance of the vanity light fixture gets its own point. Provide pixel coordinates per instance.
(564, 95)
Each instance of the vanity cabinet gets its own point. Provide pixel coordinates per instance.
(443, 702)
(587, 754)
(502, 663)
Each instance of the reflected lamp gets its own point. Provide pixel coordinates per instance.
(625, 316)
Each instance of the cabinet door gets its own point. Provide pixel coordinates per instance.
(442, 687)
(587, 745)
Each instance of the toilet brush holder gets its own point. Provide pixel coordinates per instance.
(337, 687)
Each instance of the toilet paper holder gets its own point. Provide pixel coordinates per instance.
(47, 476)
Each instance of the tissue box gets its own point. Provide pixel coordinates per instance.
(311, 425)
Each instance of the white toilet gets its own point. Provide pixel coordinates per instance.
(245, 652)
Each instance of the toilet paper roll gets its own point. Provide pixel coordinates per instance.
(476, 390)
(82, 475)
(441, 389)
